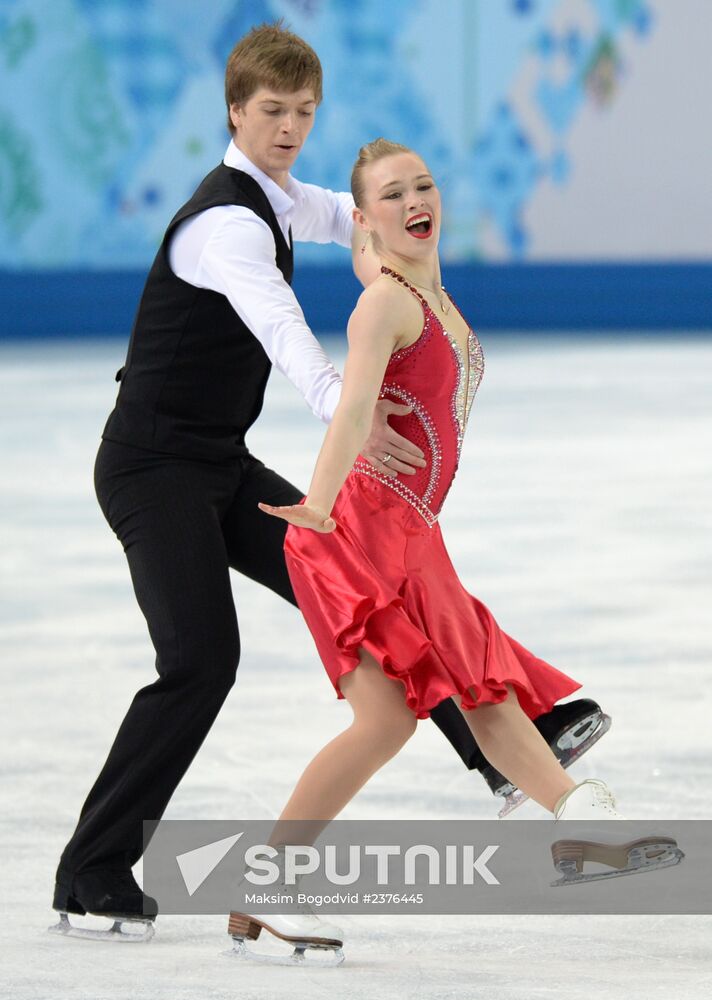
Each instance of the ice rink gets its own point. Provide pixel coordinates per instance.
(582, 517)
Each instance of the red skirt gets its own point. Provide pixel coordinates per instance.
(383, 581)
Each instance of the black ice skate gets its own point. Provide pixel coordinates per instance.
(570, 730)
(632, 858)
(104, 892)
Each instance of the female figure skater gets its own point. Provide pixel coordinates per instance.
(394, 626)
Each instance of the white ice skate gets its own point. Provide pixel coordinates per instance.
(302, 930)
(593, 800)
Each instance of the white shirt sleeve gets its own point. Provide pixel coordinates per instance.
(228, 249)
(321, 216)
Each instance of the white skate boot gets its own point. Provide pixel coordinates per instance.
(593, 800)
(304, 930)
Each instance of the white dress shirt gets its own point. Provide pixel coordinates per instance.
(230, 250)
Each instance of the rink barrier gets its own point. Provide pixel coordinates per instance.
(672, 296)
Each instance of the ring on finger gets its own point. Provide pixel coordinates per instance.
(386, 458)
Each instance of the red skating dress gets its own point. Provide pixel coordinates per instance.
(383, 579)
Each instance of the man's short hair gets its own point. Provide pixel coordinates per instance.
(270, 56)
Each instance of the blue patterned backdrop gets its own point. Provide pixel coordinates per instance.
(549, 123)
(112, 110)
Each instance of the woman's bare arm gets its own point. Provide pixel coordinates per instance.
(374, 327)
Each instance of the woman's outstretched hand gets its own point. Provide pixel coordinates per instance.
(302, 516)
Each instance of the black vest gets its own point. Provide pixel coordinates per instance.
(195, 376)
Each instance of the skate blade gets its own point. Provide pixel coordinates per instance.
(573, 744)
(324, 957)
(647, 857)
(123, 931)
(571, 747)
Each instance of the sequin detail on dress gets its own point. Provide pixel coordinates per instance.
(477, 364)
(468, 381)
(428, 498)
(421, 504)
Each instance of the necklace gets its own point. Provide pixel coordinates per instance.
(444, 302)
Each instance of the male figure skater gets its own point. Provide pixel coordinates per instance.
(174, 477)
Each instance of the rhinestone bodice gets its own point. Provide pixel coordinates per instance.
(432, 376)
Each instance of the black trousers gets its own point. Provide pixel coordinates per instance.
(183, 525)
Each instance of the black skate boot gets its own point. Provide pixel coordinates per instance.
(104, 892)
(570, 730)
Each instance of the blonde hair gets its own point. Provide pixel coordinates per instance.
(270, 56)
(379, 149)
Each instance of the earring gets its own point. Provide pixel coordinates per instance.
(363, 248)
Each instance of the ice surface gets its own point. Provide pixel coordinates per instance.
(581, 516)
